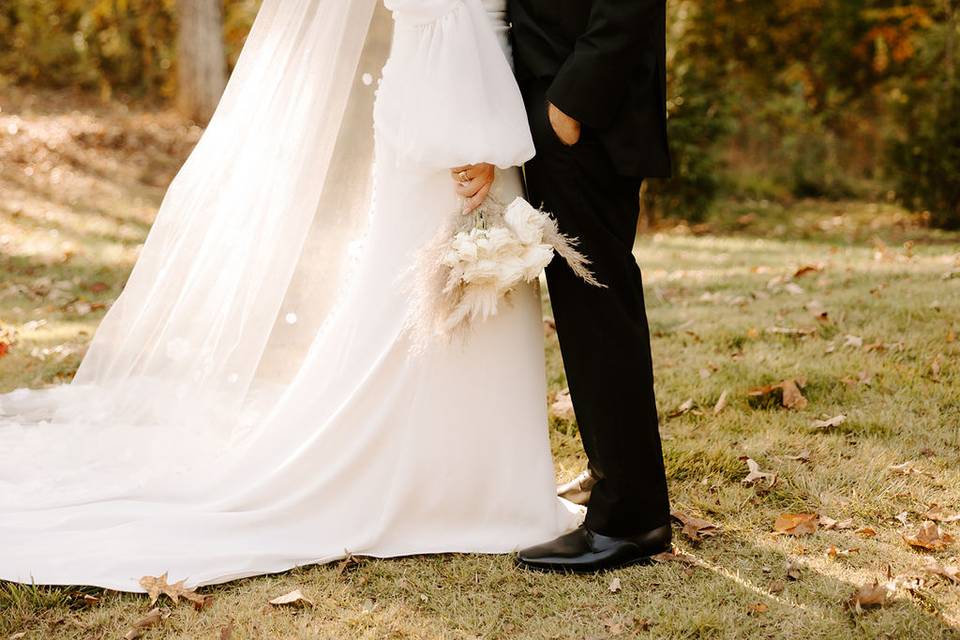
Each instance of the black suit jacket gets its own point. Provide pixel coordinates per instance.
(606, 64)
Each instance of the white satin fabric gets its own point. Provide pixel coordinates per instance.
(341, 439)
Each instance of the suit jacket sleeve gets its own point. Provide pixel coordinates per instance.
(592, 83)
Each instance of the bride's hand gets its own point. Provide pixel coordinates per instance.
(473, 183)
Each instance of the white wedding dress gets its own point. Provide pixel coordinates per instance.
(366, 446)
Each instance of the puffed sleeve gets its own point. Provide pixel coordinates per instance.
(448, 96)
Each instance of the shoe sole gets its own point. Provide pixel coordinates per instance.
(642, 560)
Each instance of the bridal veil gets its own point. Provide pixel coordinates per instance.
(251, 246)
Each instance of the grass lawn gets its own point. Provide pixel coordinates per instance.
(856, 305)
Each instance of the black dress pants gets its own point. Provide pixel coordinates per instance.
(603, 332)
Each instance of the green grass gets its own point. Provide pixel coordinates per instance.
(713, 292)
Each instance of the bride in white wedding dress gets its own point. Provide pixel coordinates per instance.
(251, 402)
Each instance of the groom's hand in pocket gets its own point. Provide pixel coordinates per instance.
(566, 128)
(473, 182)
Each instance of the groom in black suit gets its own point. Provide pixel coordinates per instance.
(593, 77)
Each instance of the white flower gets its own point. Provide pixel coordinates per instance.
(526, 221)
(535, 260)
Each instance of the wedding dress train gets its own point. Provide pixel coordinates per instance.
(369, 447)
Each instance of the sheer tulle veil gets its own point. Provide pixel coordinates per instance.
(243, 264)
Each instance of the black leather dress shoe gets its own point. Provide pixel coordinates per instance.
(584, 551)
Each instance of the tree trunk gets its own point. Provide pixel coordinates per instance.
(201, 59)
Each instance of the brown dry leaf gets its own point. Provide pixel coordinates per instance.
(948, 572)
(929, 537)
(777, 586)
(295, 598)
(791, 397)
(872, 595)
(866, 532)
(686, 407)
(562, 406)
(348, 564)
(833, 553)
(226, 631)
(807, 269)
(721, 403)
(756, 608)
(830, 524)
(157, 586)
(796, 524)
(152, 619)
(695, 528)
(853, 341)
(907, 468)
(615, 586)
(936, 513)
(674, 556)
(755, 474)
(829, 423)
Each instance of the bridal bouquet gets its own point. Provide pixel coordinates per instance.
(473, 266)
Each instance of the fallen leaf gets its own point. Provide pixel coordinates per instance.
(872, 595)
(294, 598)
(157, 586)
(674, 556)
(348, 564)
(833, 553)
(866, 532)
(756, 608)
(226, 631)
(803, 456)
(755, 474)
(721, 403)
(153, 619)
(853, 341)
(777, 586)
(695, 528)
(903, 517)
(929, 537)
(562, 406)
(793, 288)
(796, 524)
(936, 513)
(907, 468)
(950, 573)
(791, 397)
(686, 407)
(829, 423)
(830, 524)
(615, 585)
(807, 269)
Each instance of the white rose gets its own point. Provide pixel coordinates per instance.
(526, 221)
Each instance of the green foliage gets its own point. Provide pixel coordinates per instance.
(767, 100)
(699, 119)
(105, 45)
(924, 151)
